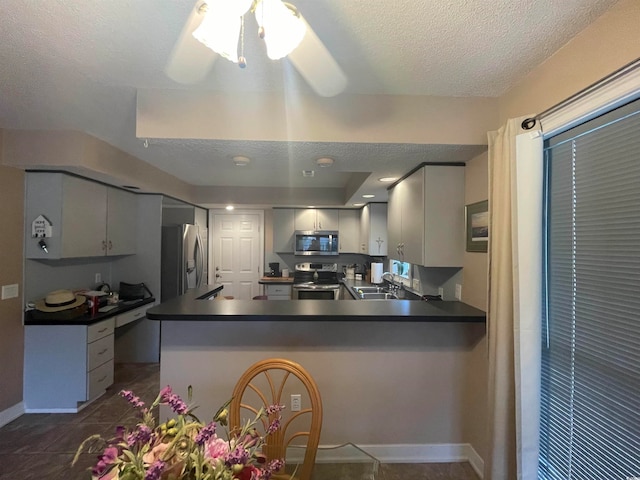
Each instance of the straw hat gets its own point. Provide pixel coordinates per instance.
(59, 300)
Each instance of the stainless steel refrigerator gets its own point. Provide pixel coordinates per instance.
(184, 259)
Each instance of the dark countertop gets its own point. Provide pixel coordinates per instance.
(276, 281)
(86, 319)
(188, 308)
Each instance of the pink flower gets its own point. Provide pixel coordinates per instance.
(155, 453)
(215, 448)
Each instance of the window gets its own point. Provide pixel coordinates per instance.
(590, 395)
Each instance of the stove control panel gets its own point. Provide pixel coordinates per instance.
(318, 267)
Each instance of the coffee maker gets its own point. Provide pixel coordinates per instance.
(274, 268)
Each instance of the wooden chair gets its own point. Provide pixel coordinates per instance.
(270, 382)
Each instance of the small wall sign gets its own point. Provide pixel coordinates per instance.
(41, 227)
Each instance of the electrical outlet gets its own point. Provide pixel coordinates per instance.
(458, 291)
(296, 402)
(441, 292)
(9, 291)
(98, 277)
(416, 284)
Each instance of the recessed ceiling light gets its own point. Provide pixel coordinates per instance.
(358, 204)
(388, 179)
(368, 196)
(229, 207)
(308, 173)
(324, 162)
(241, 161)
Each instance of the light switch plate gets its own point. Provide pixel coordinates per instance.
(416, 284)
(9, 291)
(458, 291)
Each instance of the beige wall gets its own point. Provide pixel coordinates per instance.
(85, 155)
(474, 292)
(11, 242)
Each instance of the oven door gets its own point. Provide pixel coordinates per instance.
(315, 293)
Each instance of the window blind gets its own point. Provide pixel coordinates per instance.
(590, 379)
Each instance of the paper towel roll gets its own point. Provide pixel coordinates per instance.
(376, 273)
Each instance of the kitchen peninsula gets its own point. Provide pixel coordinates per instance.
(369, 359)
(191, 307)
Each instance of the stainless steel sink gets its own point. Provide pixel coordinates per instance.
(372, 292)
(378, 296)
(370, 289)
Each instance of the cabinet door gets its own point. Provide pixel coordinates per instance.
(377, 241)
(305, 219)
(327, 219)
(413, 220)
(283, 228)
(394, 221)
(444, 242)
(279, 292)
(84, 212)
(349, 231)
(122, 210)
(365, 224)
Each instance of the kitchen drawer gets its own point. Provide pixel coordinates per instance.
(100, 329)
(99, 379)
(99, 352)
(132, 315)
(278, 290)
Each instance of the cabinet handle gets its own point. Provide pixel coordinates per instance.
(104, 245)
(137, 315)
(103, 351)
(103, 330)
(102, 379)
(110, 245)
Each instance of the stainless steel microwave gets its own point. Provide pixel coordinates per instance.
(316, 242)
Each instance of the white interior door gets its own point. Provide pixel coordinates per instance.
(237, 252)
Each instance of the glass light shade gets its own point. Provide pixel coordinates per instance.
(283, 29)
(220, 28)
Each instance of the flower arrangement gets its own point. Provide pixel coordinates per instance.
(183, 448)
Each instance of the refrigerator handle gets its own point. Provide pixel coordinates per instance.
(199, 257)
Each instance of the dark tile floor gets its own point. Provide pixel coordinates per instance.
(42, 446)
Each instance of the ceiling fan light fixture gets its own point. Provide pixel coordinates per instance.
(220, 27)
(281, 26)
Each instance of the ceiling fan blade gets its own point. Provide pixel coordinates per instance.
(190, 60)
(314, 62)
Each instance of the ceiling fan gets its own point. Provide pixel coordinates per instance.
(219, 24)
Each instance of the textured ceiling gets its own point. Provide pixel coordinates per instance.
(73, 64)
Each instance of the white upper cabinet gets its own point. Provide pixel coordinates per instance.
(349, 231)
(283, 229)
(373, 229)
(316, 219)
(121, 222)
(88, 219)
(426, 217)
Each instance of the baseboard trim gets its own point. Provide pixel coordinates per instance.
(475, 460)
(410, 453)
(11, 413)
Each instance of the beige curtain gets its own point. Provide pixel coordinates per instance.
(514, 306)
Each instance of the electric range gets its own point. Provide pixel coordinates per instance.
(316, 281)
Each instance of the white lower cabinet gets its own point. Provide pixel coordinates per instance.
(278, 292)
(132, 315)
(67, 366)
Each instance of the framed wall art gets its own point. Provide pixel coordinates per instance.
(477, 226)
